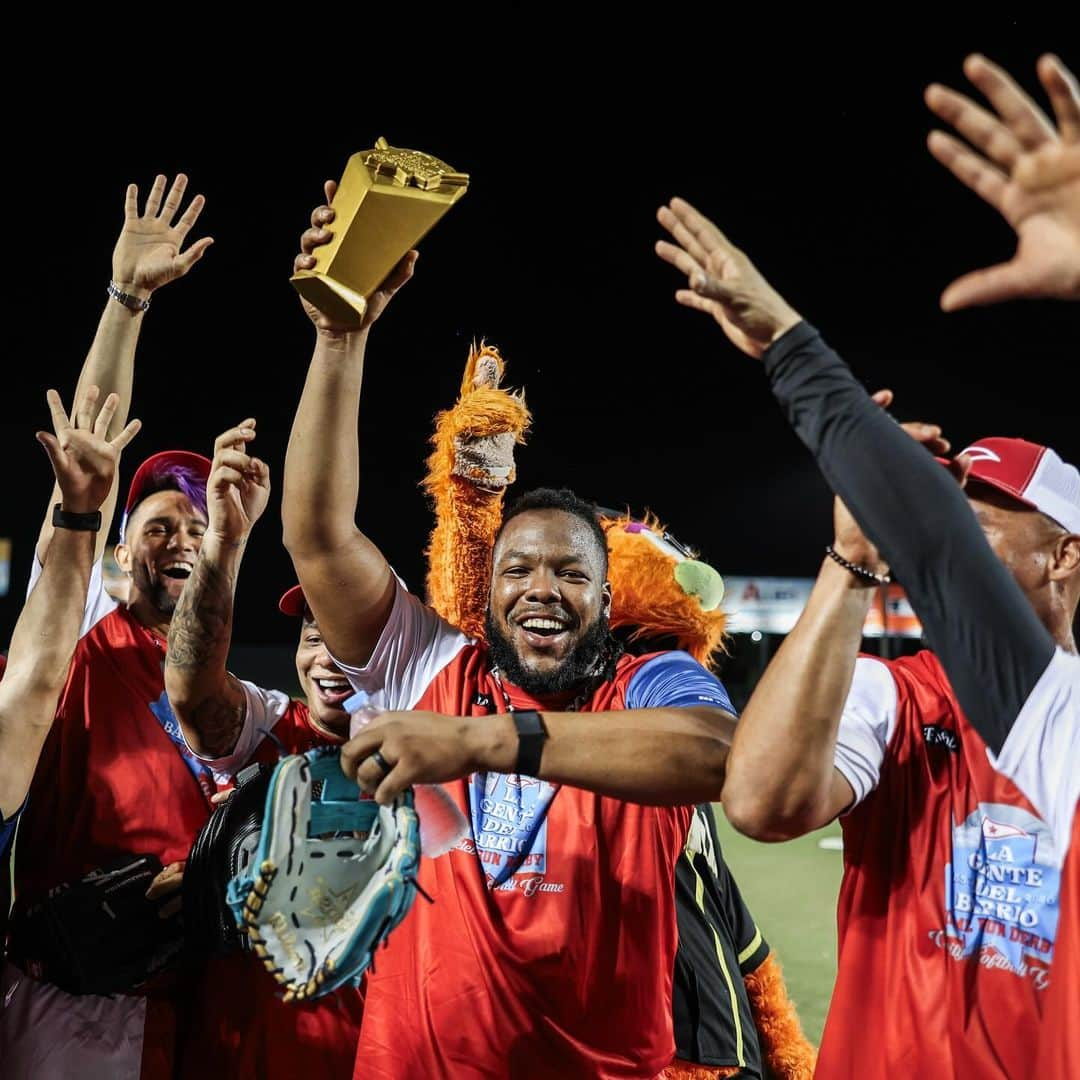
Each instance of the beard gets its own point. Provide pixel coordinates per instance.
(579, 664)
(156, 592)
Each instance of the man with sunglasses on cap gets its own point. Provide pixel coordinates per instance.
(958, 774)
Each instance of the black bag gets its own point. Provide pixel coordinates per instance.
(224, 847)
(99, 935)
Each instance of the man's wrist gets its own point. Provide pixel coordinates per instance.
(65, 517)
(216, 545)
(493, 742)
(341, 340)
(131, 288)
(79, 504)
(792, 320)
(864, 568)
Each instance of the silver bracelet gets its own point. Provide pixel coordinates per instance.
(135, 303)
(859, 571)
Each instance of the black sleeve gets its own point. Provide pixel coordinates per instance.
(986, 634)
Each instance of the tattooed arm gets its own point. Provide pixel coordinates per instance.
(208, 701)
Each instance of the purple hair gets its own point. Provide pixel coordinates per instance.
(170, 478)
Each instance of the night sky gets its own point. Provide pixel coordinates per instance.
(812, 158)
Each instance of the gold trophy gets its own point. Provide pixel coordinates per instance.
(387, 200)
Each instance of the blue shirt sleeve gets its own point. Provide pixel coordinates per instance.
(675, 679)
(7, 828)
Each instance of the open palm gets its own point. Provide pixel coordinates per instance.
(83, 459)
(1027, 170)
(148, 253)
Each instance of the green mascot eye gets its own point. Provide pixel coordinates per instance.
(700, 580)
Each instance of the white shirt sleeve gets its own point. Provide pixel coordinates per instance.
(263, 709)
(415, 645)
(1042, 752)
(98, 602)
(866, 726)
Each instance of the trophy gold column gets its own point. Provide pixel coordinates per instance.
(388, 198)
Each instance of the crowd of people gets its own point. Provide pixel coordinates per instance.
(559, 939)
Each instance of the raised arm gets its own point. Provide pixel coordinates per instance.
(84, 463)
(782, 778)
(209, 701)
(468, 474)
(991, 643)
(346, 581)
(147, 255)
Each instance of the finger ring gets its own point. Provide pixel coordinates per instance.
(381, 762)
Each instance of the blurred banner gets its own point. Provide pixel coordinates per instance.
(5, 566)
(771, 605)
(891, 614)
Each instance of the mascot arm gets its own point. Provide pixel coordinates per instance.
(469, 470)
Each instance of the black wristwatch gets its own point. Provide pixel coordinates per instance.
(531, 737)
(67, 519)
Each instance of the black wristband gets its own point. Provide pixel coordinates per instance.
(864, 575)
(531, 737)
(66, 519)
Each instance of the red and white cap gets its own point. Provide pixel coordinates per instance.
(146, 473)
(1033, 474)
(293, 602)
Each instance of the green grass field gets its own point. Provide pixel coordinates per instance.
(791, 891)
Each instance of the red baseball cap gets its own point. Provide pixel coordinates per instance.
(1030, 473)
(153, 467)
(293, 602)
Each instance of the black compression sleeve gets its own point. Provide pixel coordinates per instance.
(984, 631)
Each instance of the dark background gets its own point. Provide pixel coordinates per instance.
(809, 153)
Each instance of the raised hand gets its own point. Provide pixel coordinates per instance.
(1024, 168)
(239, 485)
(723, 281)
(320, 233)
(83, 459)
(148, 254)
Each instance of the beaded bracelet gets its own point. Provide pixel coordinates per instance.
(859, 571)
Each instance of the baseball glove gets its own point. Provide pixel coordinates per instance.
(99, 935)
(224, 848)
(333, 874)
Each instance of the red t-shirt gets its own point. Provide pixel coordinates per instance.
(948, 909)
(562, 970)
(110, 781)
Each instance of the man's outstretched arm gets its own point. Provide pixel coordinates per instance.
(656, 756)
(209, 701)
(84, 463)
(992, 645)
(346, 581)
(146, 257)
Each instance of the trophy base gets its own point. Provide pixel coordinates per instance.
(333, 299)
